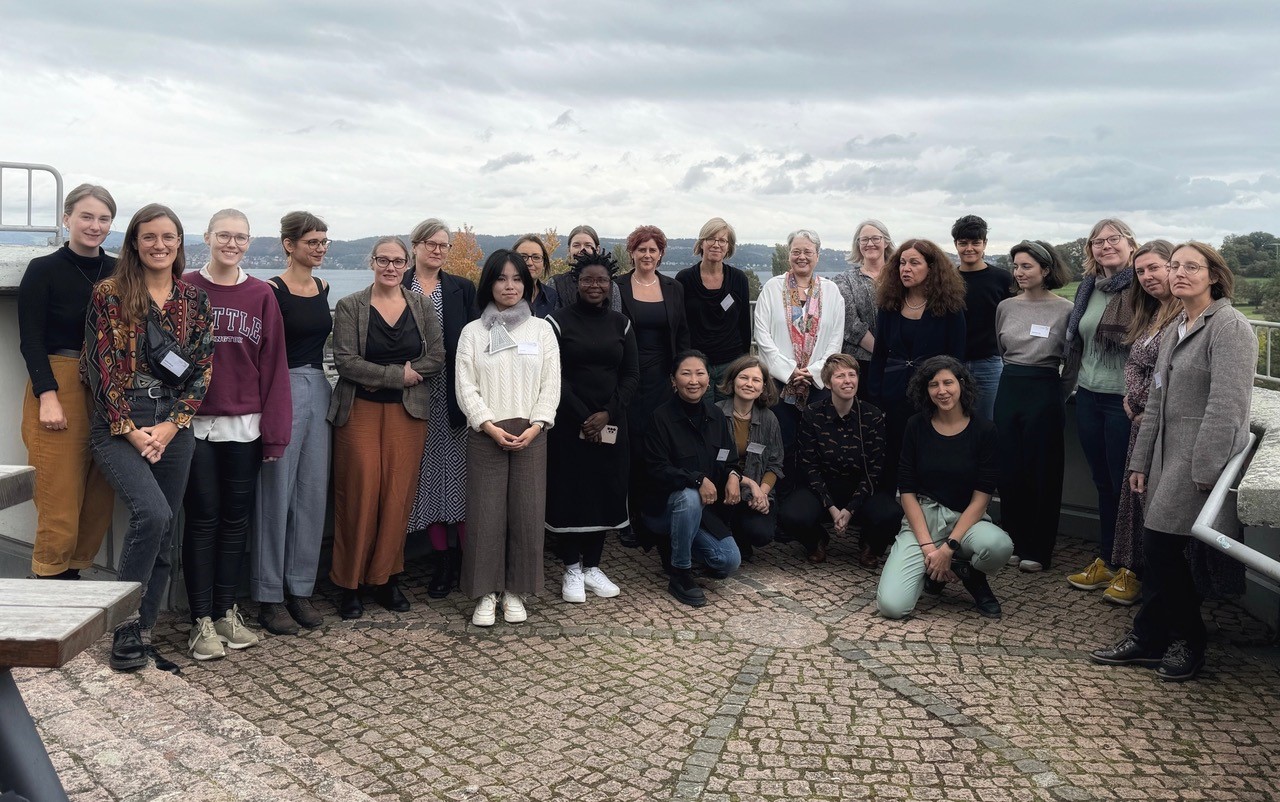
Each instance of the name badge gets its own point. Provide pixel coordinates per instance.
(722, 455)
(726, 303)
(176, 364)
(1039, 331)
(527, 349)
(755, 448)
(1158, 380)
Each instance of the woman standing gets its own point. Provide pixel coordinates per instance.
(799, 323)
(1154, 307)
(1196, 420)
(871, 246)
(534, 252)
(1096, 339)
(717, 300)
(148, 360)
(245, 420)
(1030, 404)
(689, 450)
(293, 491)
(948, 473)
(73, 500)
(841, 461)
(440, 504)
(655, 305)
(386, 341)
(749, 503)
(921, 314)
(599, 373)
(582, 239)
(509, 387)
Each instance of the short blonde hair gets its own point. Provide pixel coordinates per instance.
(712, 227)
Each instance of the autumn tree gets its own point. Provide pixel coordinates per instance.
(465, 257)
(559, 264)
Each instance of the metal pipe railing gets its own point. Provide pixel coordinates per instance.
(31, 169)
(1203, 530)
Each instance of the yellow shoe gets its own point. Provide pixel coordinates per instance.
(1124, 589)
(1097, 575)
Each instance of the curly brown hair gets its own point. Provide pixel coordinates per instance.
(943, 287)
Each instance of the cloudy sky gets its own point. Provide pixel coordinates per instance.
(515, 116)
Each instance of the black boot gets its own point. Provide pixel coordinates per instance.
(441, 581)
(350, 607)
(391, 597)
(975, 582)
(685, 589)
(128, 653)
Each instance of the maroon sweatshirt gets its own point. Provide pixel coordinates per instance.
(251, 373)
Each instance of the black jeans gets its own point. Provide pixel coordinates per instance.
(218, 503)
(580, 547)
(1170, 602)
(802, 516)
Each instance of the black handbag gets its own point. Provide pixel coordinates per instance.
(168, 361)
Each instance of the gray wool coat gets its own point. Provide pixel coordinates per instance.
(1197, 417)
(351, 329)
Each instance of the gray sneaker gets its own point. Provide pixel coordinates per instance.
(232, 631)
(204, 643)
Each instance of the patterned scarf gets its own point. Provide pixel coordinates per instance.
(1114, 325)
(803, 314)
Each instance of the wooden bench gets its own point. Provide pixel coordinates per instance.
(44, 624)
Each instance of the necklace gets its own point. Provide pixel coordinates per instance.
(741, 417)
(920, 305)
(637, 280)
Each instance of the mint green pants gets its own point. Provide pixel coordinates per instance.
(985, 546)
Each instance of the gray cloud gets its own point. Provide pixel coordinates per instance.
(504, 161)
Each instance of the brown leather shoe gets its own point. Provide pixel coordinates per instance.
(868, 558)
(276, 619)
(303, 611)
(819, 553)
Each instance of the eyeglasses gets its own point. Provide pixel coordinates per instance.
(317, 244)
(152, 239)
(587, 281)
(439, 247)
(876, 240)
(531, 258)
(1112, 240)
(721, 241)
(226, 238)
(383, 261)
(798, 253)
(1190, 268)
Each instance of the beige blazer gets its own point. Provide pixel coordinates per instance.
(1197, 417)
(351, 329)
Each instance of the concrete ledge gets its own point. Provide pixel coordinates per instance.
(1258, 503)
(17, 484)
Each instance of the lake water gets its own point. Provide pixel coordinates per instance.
(341, 282)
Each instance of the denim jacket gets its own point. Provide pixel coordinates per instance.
(764, 431)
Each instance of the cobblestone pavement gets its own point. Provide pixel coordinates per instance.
(786, 686)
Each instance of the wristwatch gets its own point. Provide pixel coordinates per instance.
(954, 545)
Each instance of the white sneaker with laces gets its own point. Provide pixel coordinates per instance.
(232, 631)
(204, 643)
(596, 582)
(571, 590)
(486, 610)
(513, 611)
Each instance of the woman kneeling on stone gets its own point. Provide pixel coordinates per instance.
(946, 476)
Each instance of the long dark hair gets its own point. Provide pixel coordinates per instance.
(492, 271)
(943, 287)
(129, 281)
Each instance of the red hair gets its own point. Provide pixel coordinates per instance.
(645, 233)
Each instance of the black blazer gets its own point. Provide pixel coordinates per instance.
(672, 297)
(459, 308)
(680, 452)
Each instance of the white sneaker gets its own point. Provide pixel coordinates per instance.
(204, 643)
(1030, 566)
(232, 631)
(486, 610)
(599, 584)
(513, 611)
(571, 589)
(1014, 561)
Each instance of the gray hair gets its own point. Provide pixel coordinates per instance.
(807, 234)
(388, 241)
(427, 229)
(855, 255)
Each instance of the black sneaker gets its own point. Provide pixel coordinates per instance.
(1128, 652)
(685, 589)
(128, 653)
(1180, 662)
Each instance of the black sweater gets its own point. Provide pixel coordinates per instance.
(983, 292)
(52, 300)
(948, 469)
(722, 334)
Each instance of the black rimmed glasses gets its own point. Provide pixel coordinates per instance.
(876, 240)
(1112, 240)
(317, 244)
(596, 281)
(439, 247)
(385, 261)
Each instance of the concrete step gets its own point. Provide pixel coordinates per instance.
(154, 736)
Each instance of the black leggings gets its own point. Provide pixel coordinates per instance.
(584, 547)
(218, 503)
(802, 516)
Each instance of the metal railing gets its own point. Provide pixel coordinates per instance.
(31, 169)
(1268, 334)
(1203, 530)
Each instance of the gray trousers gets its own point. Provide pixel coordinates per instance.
(506, 514)
(293, 493)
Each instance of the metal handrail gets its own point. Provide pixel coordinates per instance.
(1203, 530)
(31, 169)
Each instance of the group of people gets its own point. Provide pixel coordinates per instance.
(526, 410)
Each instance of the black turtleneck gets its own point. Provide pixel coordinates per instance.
(52, 300)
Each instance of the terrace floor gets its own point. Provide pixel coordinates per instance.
(786, 686)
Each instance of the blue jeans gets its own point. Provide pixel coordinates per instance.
(153, 495)
(683, 518)
(1104, 438)
(986, 375)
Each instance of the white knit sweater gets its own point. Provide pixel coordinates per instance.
(509, 384)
